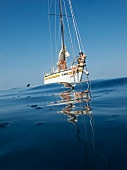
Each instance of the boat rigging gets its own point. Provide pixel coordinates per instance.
(63, 71)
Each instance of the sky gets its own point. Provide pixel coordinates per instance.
(25, 42)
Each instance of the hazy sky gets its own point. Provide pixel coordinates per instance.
(25, 41)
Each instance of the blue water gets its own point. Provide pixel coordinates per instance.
(64, 127)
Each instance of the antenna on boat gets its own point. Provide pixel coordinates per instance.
(62, 29)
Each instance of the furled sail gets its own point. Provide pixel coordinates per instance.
(62, 53)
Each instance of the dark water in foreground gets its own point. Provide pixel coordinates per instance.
(56, 127)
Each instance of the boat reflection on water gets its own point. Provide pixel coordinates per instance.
(77, 102)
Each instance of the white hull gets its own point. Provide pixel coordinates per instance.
(64, 76)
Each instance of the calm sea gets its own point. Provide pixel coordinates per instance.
(64, 126)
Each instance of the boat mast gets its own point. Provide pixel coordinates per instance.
(62, 29)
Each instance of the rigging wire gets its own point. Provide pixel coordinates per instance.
(69, 30)
(72, 13)
(55, 30)
(49, 8)
(78, 32)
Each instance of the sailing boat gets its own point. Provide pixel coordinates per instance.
(64, 71)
